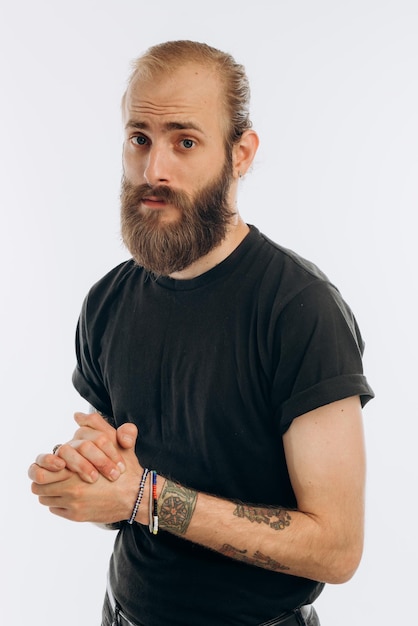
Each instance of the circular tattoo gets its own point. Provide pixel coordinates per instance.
(175, 512)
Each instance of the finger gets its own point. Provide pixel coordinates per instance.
(105, 442)
(48, 491)
(93, 420)
(87, 460)
(69, 513)
(77, 464)
(61, 512)
(60, 492)
(51, 462)
(127, 435)
(110, 467)
(41, 476)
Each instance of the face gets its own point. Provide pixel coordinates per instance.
(176, 200)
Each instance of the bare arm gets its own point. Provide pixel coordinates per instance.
(321, 540)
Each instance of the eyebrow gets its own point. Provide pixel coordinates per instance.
(168, 126)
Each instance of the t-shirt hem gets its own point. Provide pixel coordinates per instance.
(84, 389)
(325, 392)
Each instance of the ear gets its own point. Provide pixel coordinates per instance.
(243, 152)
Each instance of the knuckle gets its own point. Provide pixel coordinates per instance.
(32, 471)
(85, 447)
(63, 450)
(130, 428)
(105, 467)
(80, 433)
(37, 474)
(77, 492)
(102, 441)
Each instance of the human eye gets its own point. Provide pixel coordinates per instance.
(187, 143)
(139, 140)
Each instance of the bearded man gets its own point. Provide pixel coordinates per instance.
(235, 361)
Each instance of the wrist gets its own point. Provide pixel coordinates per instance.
(143, 515)
(176, 506)
(135, 512)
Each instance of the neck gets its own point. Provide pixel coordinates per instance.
(237, 231)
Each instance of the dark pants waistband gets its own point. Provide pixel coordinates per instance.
(304, 616)
(119, 619)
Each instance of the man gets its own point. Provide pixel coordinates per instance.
(235, 361)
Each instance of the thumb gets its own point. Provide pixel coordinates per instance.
(126, 435)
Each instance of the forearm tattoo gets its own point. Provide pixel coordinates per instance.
(278, 519)
(258, 559)
(176, 506)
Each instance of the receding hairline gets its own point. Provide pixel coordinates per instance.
(147, 74)
(159, 74)
(231, 77)
(164, 56)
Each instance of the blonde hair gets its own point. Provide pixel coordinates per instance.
(166, 56)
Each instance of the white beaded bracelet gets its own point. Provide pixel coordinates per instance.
(139, 496)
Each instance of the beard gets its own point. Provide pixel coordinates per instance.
(164, 248)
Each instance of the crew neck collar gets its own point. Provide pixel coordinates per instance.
(224, 267)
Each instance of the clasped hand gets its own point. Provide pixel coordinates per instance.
(94, 477)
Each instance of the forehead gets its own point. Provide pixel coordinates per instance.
(189, 92)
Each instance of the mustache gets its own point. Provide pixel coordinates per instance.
(134, 194)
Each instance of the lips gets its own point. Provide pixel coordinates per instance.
(158, 197)
(154, 202)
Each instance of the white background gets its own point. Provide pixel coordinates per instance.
(335, 101)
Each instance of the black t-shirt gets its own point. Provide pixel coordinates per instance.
(213, 370)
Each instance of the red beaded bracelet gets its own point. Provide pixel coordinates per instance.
(153, 504)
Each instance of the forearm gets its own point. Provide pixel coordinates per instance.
(281, 540)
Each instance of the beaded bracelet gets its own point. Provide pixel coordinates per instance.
(139, 496)
(153, 504)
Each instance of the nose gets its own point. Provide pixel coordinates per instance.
(157, 166)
